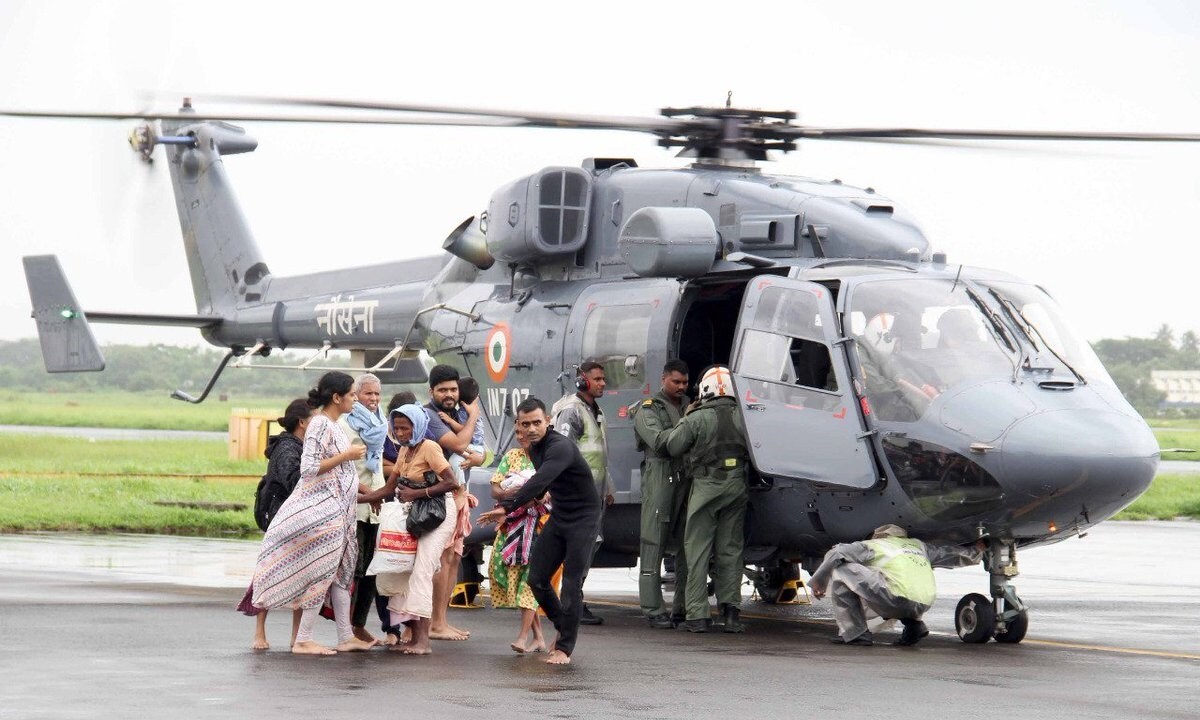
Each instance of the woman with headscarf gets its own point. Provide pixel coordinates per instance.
(412, 593)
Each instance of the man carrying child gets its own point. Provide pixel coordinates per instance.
(444, 403)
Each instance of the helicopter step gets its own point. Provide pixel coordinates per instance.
(1004, 617)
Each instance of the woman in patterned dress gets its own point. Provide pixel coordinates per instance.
(508, 571)
(310, 548)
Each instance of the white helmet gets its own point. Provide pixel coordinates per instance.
(716, 382)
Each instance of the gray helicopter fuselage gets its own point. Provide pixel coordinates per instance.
(824, 299)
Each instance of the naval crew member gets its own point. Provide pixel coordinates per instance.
(665, 488)
(713, 438)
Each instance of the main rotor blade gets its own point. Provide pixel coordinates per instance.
(518, 119)
(265, 118)
(917, 134)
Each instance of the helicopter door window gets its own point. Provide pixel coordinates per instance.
(618, 336)
(793, 371)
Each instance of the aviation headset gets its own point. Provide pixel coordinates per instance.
(582, 382)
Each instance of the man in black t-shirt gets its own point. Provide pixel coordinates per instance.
(570, 532)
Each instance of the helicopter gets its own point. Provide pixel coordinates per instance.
(879, 383)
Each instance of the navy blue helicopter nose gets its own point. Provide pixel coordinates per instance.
(1075, 467)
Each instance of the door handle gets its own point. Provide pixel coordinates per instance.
(760, 407)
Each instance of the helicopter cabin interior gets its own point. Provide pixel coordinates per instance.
(708, 332)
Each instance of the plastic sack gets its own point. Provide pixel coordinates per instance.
(395, 546)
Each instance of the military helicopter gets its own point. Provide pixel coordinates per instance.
(879, 382)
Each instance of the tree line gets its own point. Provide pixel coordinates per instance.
(167, 367)
(1130, 360)
(153, 368)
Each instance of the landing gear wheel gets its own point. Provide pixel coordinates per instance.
(975, 619)
(1015, 629)
(771, 579)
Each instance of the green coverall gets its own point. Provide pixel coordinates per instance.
(714, 438)
(664, 501)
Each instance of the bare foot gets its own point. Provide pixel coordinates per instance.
(309, 647)
(406, 635)
(356, 645)
(362, 634)
(458, 630)
(535, 646)
(447, 634)
(417, 651)
(517, 647)
(260, 643)
(557, 657)
(389, 640)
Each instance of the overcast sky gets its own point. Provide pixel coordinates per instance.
(1109, 231)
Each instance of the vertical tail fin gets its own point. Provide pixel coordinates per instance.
(226, 265)
(67, 341)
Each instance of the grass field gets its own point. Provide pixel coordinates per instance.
(1169, 497)
(151, 411)
(1181, 437)
(49, 483)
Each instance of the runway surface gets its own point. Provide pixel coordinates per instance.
(116, 626)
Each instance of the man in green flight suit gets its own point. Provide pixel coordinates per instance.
(713, 437)
(665, 489)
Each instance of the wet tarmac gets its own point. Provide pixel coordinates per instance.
(113, 626)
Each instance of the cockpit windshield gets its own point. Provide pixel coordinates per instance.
(1047, 327)
(918, 338)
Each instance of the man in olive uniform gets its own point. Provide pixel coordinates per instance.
(892, 575)
(713, 438)
(664, 494)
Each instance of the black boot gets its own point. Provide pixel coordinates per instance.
(587, 618)
(731, 620)
(696, 626)
(914, 630)
(661, 621)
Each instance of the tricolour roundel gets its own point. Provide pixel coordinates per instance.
(499, 351)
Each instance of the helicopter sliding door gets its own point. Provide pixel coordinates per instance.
(794, 386)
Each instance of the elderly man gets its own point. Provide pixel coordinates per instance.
(366, 425)
(892, 575)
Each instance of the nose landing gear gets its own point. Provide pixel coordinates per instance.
(1004, 617)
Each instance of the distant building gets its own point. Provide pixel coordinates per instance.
(1181, 386)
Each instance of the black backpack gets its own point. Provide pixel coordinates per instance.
(265, 503)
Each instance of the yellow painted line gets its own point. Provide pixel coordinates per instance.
(1112, 649)
(1046, 643)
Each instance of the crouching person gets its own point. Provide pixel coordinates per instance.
(890, 574)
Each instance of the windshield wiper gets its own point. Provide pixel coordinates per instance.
(1027, 325)
(1018, 318)
(990, 314)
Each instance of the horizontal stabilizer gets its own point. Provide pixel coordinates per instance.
(67, 341)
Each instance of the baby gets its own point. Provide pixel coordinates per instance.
(515, 480)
